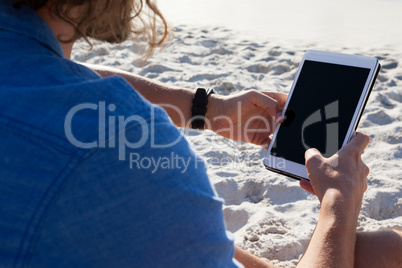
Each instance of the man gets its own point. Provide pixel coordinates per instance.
(70, 193)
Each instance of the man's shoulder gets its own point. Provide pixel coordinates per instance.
(79, 109)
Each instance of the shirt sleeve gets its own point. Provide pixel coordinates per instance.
(148, 203)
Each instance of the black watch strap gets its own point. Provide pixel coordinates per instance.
(199, 109)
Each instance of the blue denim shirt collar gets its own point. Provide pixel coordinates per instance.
(25, 21)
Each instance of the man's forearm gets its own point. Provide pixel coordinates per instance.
(333, 241)
(176, 101)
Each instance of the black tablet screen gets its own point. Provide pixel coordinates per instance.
(320, 110)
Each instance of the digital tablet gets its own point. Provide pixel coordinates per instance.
(323, 109)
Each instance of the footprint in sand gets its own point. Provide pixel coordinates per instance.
(200, 77)
(227, 85)
(382, 78)
(394, 95)
(235, 218)
(101, 51)
(277, 69)
(188, 60)
(379, 118)
(221, 51)
(391, 65)
(249, 48)
(273, 231)
(259, 68)
(383, 205)
(228, 190)
(275, 53)
(393, 137)
(253, 190)
(282, 194)
(157, 68)
(392, 83)
(226, 174)
(267, 59)
(209, 43)
(280, 69)
(385, 101)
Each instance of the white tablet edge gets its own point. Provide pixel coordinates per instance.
(296, 170)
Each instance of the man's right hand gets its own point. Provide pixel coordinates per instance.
(340, 178)
(339, 183)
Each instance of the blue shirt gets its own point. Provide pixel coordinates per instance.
(92, 174)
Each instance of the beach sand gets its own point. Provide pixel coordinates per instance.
(269, 214)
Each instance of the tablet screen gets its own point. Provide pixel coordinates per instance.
(320, 110)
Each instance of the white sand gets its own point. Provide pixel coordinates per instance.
(341, 23)
(269, 214)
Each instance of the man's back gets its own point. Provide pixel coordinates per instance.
(79, 180)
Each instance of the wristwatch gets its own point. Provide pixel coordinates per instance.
(199, 109)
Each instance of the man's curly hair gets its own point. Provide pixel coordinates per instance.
(113, 21)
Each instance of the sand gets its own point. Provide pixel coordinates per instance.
(269, 214)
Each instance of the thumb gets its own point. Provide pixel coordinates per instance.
(311, 154)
